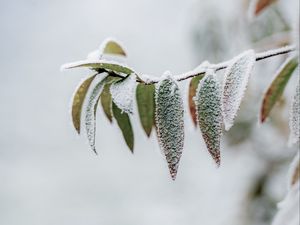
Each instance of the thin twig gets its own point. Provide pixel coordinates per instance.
(220, 66)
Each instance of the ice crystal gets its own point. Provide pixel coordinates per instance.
(295, 118)
(169, 121)
(90, 115)
(122, 93)
(209, 113)
(235, 83)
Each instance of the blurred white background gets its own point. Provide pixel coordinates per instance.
(49, 175)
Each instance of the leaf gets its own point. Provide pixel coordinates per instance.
(295, 118)
(122, 93)
(111, 46)
(125, 125)
(294, 171)
(192, 92)
(260, 5)
(98, 65)
(235, 82)
(209, 113)
(78, 100)
(275, 90)
(90, 115)
(106, 102)
(169, 121)
(146, 106)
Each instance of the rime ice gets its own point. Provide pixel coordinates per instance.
(295, 118)
(90, 115)
(235, 82)
(122, 93)
(169, 120)
(209, 113)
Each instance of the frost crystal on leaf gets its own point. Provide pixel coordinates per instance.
(235, 82)
(295, 118)
(169, 121)
(90, 115)
(122, 93)
(209, 113)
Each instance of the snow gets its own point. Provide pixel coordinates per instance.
(123, 93)
(235, 82)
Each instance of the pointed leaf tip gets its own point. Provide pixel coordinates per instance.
(276, 88)
(169, 122)
(235, 83)
(209, 114)
(124, 124)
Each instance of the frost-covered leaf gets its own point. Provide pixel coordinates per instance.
(78, 100)
(122, 93)
(90, 116)
(169, 121)
(146, 106)
(294, 171)
(112, 46)
(295, 118)
(100, 65)
(124, 124)
(276, 88)
(192, 92)
(235, 82)
(209, 113)
(288, 213)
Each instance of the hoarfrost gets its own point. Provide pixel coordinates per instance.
(295, 118)
(90, 115)
(122, 93)
(235, 82)
(169, 121)
(209, 113)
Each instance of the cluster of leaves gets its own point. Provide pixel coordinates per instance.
(212, 104)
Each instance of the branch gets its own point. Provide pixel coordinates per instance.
(220, 66)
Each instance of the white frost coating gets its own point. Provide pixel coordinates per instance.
(110, 39)
(288, 213)
(235, 82)
(94, 55)
(147, 79)
(294, 121)
(122, 93)
(293, 175)
(90, 115)
(169, 121)
(274, 52)
(209, 113)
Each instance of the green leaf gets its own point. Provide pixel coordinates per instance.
(192, 92)
(125, 125)
(106, 102)
(146, 106)
(100, 64)
(110, 46)
(209, 113)
(275, 90)
(169, 121)
(78, 100)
